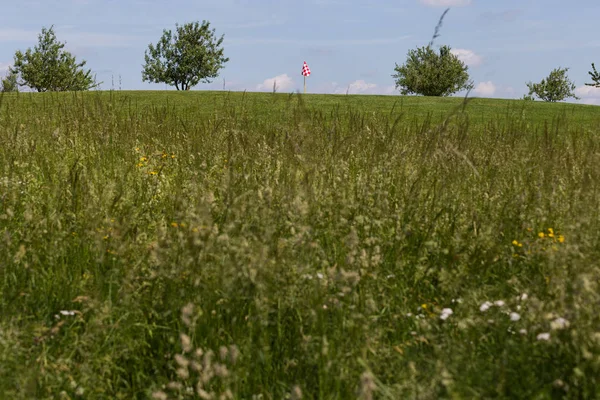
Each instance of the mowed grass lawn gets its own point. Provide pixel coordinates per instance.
(222, 245)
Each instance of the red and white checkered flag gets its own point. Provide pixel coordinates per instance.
(305, 69)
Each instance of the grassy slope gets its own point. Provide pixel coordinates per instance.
(322, 237)
(418, 108)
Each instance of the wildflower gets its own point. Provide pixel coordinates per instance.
(561, 239)
(523, 297)
(139, 165)
(446, 312)
(550, 232)
(320, 275)
(499, 303)
(153, 173)
(143, 159)
(67, 313)
(409, 315)
(485, 306)
(559, 323)
(424, 306)
(517, 243)
(174, 224)
(542, 235)
(137, 149)
(523, 331)
(514, 316)
(543, 336)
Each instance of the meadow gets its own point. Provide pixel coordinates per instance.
(213, 245)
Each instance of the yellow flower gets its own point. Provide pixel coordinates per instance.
(153, 173)
(140, 165)
(561, 239)
(172, 155)
(551, 231)
(542, 235)
(144, 159)
(424, 306)
(514, 242)
(174, 224)
(137, 149)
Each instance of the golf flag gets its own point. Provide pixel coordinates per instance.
(305, 73)
(305, 70)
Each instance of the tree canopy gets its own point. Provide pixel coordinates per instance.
(49, 68)
(191, 55)
(555, 87)
(9, 83)
(595, 77)
(432, 74)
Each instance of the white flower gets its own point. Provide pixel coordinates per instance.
(409, 315)
(523, 297)
(514, 316)
(67, 313)
(559, 323)
(499, 303)
(543, 336)
(319, 275)
(446, 312)
(485, 306)
(523, 331)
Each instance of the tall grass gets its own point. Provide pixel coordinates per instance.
(148, 251)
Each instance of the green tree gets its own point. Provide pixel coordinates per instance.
(555, 87)
(9, 83)
(192, 55)
(595, 77)
(49, 68)
(431, 74)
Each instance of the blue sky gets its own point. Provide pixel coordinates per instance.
(351, 46)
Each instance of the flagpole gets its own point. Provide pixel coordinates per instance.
(304, 84)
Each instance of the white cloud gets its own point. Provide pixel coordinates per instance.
(469, 57)
(282, 83)
(588, 92)
(446, 3)
(362, 87)
(4, 67)
(485, 89)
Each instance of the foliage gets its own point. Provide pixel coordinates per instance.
(271, 246)
(49, 68)
(431, 74)
(556, 87)
(190, 56)
(9, 83)
(595, 75)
